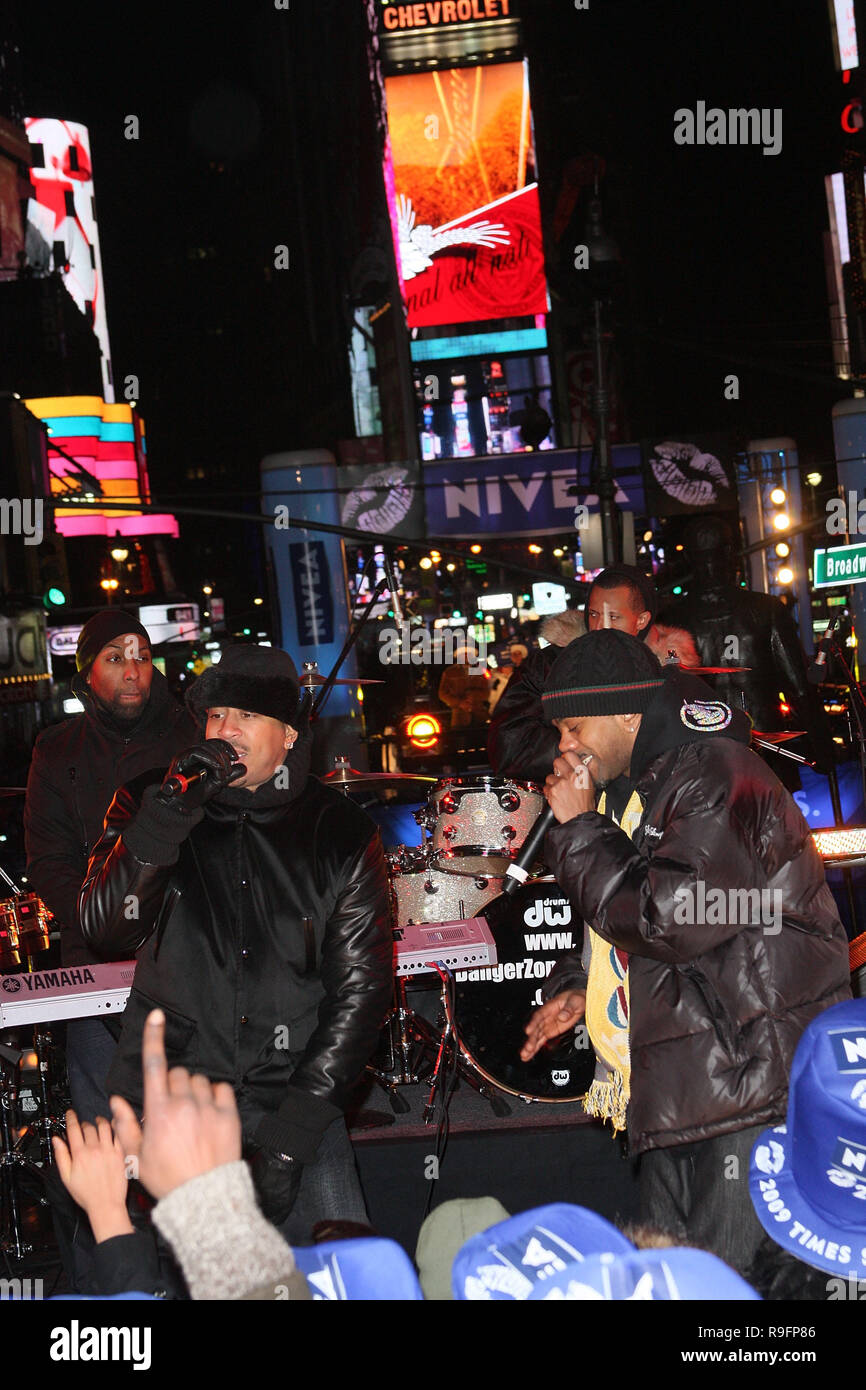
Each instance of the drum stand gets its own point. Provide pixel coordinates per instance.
(410, 1040)
(12, 1160)
(464, 1069)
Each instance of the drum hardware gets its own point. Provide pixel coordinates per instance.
(461, 1065)
(409, 1039)
(13, 1162)
(24, 929)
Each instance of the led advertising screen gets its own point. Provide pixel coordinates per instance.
(62, 214)
(100, 446)
(466, 213)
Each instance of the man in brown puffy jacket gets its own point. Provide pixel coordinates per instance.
(712, 936)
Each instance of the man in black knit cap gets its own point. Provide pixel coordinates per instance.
(521, 742)
(131, 723)
(712, 937)
(261, 929)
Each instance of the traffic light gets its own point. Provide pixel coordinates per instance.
(53, 574)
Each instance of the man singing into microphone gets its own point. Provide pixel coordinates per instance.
(256, 899)
(713, 938)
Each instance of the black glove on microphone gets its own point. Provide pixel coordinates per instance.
(216, 759)
(165, 819)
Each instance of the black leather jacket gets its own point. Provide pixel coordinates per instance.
(716, 1007)
(265, 939)
(76, 769)
(765, 641)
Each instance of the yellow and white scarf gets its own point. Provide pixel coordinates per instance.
(607, 1007)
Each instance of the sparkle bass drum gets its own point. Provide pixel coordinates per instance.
(492, 1006)
(478, 824)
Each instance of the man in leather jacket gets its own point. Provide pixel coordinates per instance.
(741, 627)
(256, 900)
(131, 723)
(713, 938)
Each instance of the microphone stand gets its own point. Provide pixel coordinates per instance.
(354, 634)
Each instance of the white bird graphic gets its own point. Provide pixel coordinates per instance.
(418, 244)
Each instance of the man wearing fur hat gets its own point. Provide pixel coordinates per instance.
(521, 742)
(259, 914)
(131, 723)
(713, 938)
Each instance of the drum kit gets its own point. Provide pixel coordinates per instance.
(472, 829)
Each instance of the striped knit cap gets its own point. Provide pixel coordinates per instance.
(605, 672)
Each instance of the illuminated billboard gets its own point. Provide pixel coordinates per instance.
(465, 211)
(61, 216)
(437, 14)
(92, 441)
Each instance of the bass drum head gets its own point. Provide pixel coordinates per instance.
(492, 1006)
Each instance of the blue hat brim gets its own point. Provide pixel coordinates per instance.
(816, 1226)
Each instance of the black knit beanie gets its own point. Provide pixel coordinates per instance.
(605, 672)
(101, 629)
(629, 574)
(263, 680)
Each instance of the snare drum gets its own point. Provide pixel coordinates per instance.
(492, 1006)
(422, 892)
(478, 824)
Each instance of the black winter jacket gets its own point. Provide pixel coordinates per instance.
(716, 1007)
(265, 938)
(76, 769)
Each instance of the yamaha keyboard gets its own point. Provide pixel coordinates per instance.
(75, 991)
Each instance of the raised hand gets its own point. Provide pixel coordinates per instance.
(93, 1169)
(190, 1125)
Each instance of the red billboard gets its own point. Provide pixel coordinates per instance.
(466, 215)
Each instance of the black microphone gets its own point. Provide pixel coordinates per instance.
(818, 670)
(518, 872)
(177, 785)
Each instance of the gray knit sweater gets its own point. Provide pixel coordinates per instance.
(225, 1247)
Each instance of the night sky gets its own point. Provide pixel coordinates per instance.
(722, 247)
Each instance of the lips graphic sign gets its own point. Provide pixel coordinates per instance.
(689, 475)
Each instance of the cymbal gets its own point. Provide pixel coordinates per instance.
(311, 680)
(346, 776)
(781, 736)
(713, 670)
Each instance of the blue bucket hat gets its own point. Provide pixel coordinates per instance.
(807, 1177)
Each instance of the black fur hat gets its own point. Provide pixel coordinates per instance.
(263, 680)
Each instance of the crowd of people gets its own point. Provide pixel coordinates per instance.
(255, 899)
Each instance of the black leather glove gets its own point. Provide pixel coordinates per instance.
(277, 1178)
(216, 759)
